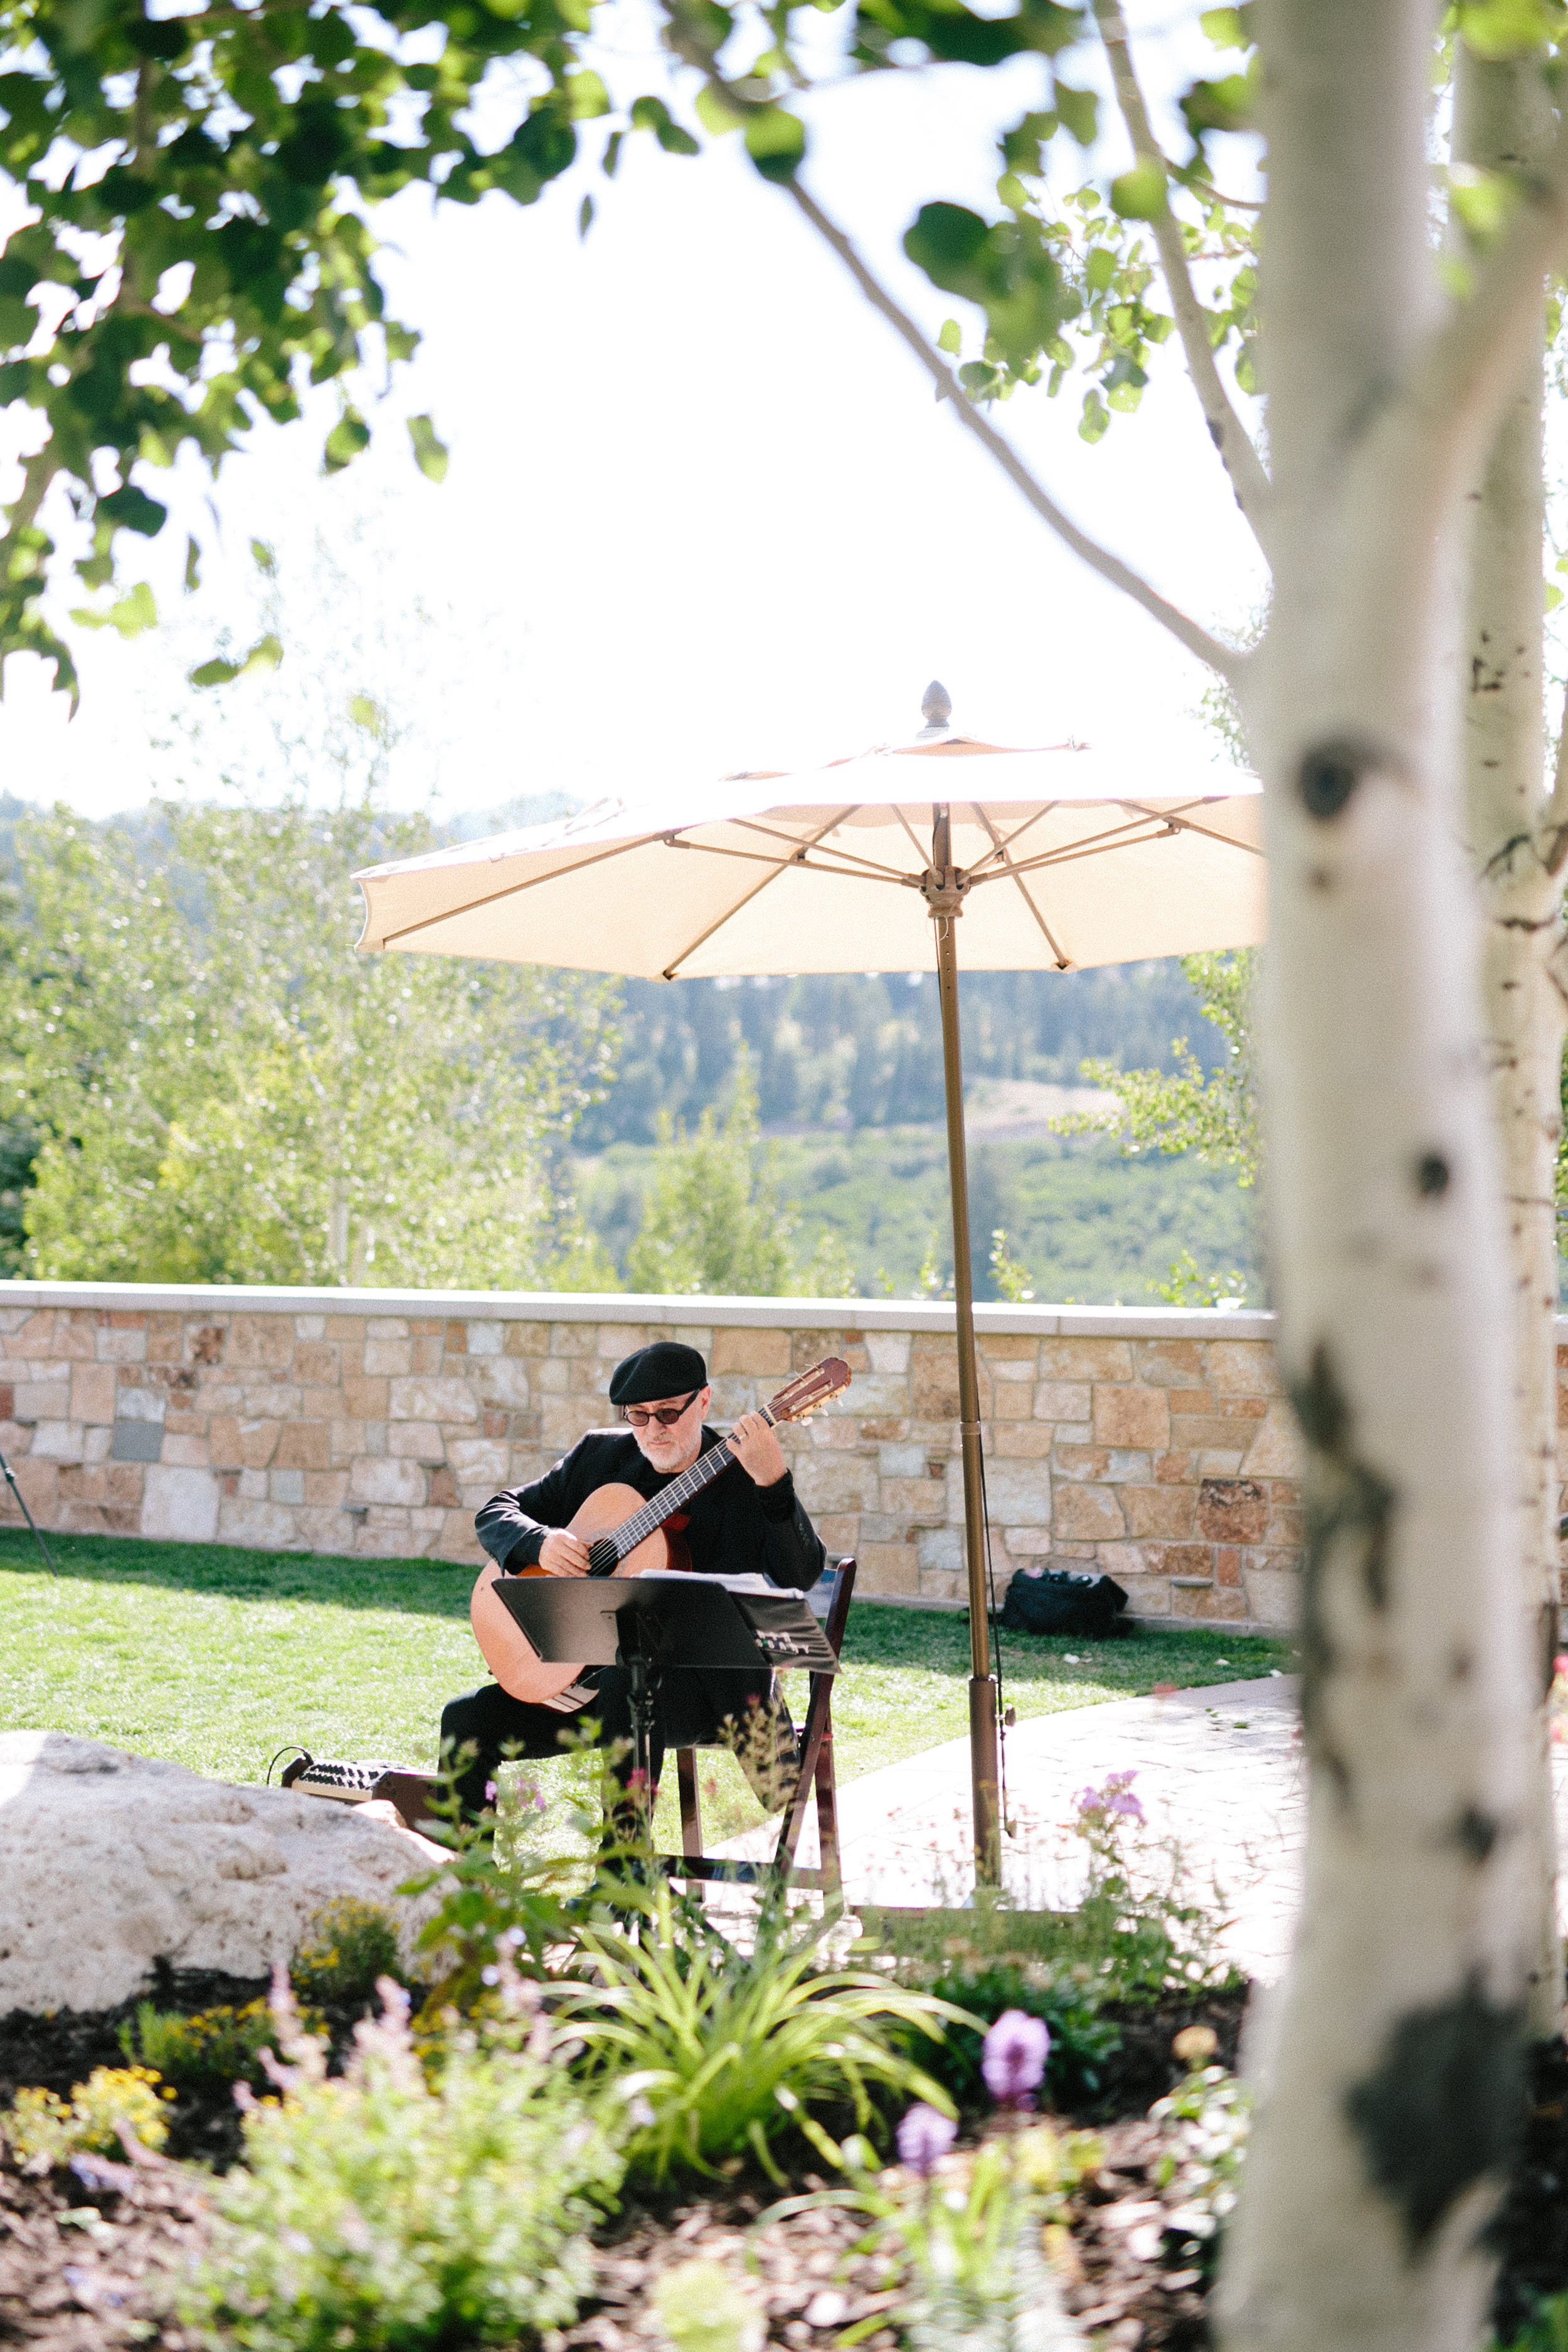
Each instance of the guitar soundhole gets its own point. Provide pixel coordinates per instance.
(601, 1560)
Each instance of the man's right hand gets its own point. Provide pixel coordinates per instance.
(564, 1554)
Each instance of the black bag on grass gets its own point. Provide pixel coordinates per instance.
(1062, 1600)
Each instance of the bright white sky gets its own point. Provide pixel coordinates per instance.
(703, 512)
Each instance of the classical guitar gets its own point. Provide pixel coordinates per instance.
(624, 1535)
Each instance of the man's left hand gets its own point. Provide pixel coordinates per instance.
(756, 1448)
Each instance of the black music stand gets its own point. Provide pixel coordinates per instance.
(651, 1628)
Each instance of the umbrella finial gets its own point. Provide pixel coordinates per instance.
(936, 706)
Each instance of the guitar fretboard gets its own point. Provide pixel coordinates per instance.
(675, 1497)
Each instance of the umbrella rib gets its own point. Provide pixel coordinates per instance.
(914, 840)
(671, 969)
(492, 898)
(1185, 825)
(1003, 847)
(1004, 851)
(860, 870)
(750, 825)
(1121, 837)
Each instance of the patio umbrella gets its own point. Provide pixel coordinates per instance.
(1060, 859)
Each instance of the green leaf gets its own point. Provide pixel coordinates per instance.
(265, 558)
(1079, 110)
(775, 142)
(1100, 269)
(1227, 105)
(1140, 195)
(192, 566)
(1095, 420)
(584, 216)
(1482, 201)
(1499, 29)
(950, 339)
(348, 437)
(429, 452)
(946, 241)
(132, 509)
(1230, 28)
(264, 655)
(1554, 597)
(715, 113)
(586, 95)
(133, 613)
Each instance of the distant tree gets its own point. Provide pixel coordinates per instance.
(1212, 1113)
(227, 1092)
(713, 1221)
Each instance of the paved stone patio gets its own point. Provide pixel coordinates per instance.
(1220, 1775)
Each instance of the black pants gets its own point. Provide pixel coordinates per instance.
(492, 1721)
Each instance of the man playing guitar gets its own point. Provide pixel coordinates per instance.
(736, 1525)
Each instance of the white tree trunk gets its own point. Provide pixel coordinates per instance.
(1502, 123)
(1392, 2090)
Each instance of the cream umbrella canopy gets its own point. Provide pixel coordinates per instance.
(1059, 858)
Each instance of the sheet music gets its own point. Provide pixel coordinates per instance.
(747, 1583)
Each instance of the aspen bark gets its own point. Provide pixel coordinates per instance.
(1502, 123)
(1391, 2093)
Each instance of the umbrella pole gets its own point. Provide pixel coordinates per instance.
(983, 1758)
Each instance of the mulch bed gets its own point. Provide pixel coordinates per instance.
(85, 2254)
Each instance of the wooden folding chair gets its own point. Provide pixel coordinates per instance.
(815, 1777)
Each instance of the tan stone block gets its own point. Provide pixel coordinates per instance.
(1085, 1360)
(77, 1333)
(386, 1481)
(318, 1363)
(839, 1532)
(433, 1399)
(561, 1424)
(575, 1338)
(1201, 1434)
(1165, 1511)
(1244, 1368)
(1169, 1363)
(1177, 1469)
(1010, 1348)
(426, 1327)
(40, 1483)
(165, 1338)
(241, 1444)
(1027, 1543)
(388, 1357)
(349, 1328)
(93, 1393)
(1207, 1600)
(1062, 1401)
(262, 1342)
(348, 1438)
(190, 1453)
(915, 1498)
(1179, 1560)
(1019, 1441)
(424, 1352)
(1273, 1597)
(1147, 1596)
(1088, 1514)
(933, 1385)
(58, 1441)
(186, 1424)
(326, 1490)
(416, 1441)
(119, 1345)
(886, 1568)
(1131, 1416)
(304, 1445)
(838, 1482)
(1228, 1564)
(758, 1351)
(1010, 1403)
(940, 1584)
(530, 1339)
(1081, 1461)
(889, 1352)
(1278, 1450)
(263, 1526)
(124, 1481)
(1232, 1510)
(81, 1484)
(36, 1337)
(367, 1400)
(516, 1382)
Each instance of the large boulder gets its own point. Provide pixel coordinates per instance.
(110, 1862)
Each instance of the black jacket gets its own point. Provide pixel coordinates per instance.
(732, 1528)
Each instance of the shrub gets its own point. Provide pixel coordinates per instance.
(1206, 2120)
(113, 2098)
(719, 2051)
(387, 2210)
(702, 2309)
(218, 2045)
(350, 1947)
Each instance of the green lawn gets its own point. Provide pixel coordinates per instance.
(217, 1657)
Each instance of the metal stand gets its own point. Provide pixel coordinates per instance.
(943, 888)
(10, 1477)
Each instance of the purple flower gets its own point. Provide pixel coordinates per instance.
(1013, 2058)
(924, 2136)
(489, 1792)
(1113, 1800)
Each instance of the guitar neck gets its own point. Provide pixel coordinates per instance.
(675, 1497)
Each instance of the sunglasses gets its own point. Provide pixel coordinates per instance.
(638, 1416)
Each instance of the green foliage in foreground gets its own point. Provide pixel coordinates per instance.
(393, 2208)
(217, 1658)
(722, 2050)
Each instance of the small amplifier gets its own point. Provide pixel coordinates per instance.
(354, 1784)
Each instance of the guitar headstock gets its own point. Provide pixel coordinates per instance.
(809, 1391)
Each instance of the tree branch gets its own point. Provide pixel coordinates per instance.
(1230, 436)
(1230, 663)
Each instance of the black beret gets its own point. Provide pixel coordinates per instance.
(666, 1369)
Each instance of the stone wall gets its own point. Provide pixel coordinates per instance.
(1154, 1444)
